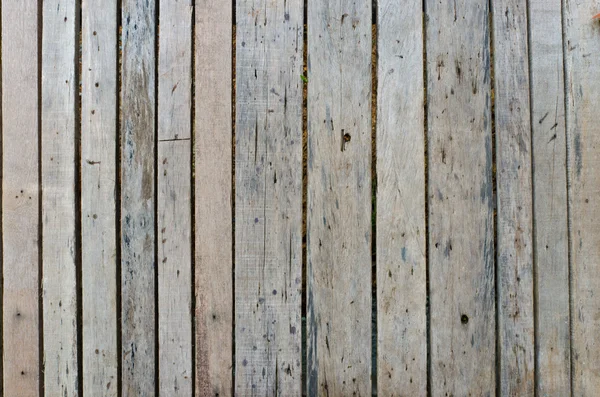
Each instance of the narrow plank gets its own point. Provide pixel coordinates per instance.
(213, 197)
(20, 198)
(174, 199)
(59, 245)
(582, 46)
(137, 197)
(550, 198)
(98, 196)
(268, 197)
(515, 206)
(339, 198)
(401, 266)
(461, 226)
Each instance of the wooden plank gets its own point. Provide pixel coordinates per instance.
(461, 225)
(550, 198)
(98, 196)
(137, 197)
(268, 197)
(339, 198)
(516, 342)
(401, 266)
(60, 89)
(213, 196)
(583, 139)
(20, 198)
(174, 198)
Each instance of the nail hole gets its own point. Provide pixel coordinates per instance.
(347, 137)
(464, 319)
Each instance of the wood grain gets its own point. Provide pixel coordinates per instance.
(138, 197)
(339, 198)
(583, 139)
(268, 197)
(461, 224)
(401, 267)
(515, 202)
(174, 199)
(98, 196)
(20, 198)
(550, 198)
(213, 195)
(59, 245)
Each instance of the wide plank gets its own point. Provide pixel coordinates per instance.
(551, 251)
(515, 202)
(60, 104)
(268, 197)
(582, 47)
(174, 199)
(460, 194)
(20, 198)
(401, 266)
(213, 197)
(339, 198)
(138, 267)
(98, 196)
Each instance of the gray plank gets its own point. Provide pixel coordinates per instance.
(174, 199)
(98, 196)
(401, 267)
(582, 73)
(59, 246)
(550, 198)
(461, 228)
(339, 198)
(268, 197)
(137, 197)
(213, 198)
(20, 198)
(514, 193)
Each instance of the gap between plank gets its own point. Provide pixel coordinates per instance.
(193, 196)
(156, 220)
(118, 269)
(426, 178)
(77, 156)
(374, 80)
(303, 298)
(233, 116)
(40, 30)
(567, 168)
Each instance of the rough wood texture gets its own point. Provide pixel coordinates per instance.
(137, 197)
(174, 198)
(59, 245)
(461, 226)
(213, 198)
(268, 206)
(98, 196)
(550, 198)
(268, 230)
(582, 46)
(514, 192)
(339, 198)
(20, 198)
(401, 281)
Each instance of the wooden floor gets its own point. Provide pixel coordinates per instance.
(288, 197)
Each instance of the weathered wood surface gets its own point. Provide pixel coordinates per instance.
(174, 198)
(550, 198)
(401, 266)
(213, 197)
(268, 197)
(582, 46)
(98, 196)
(339, 198)
(138, 99)
(514, 250)
(461, 225)
(59, 242)
(20, 199)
